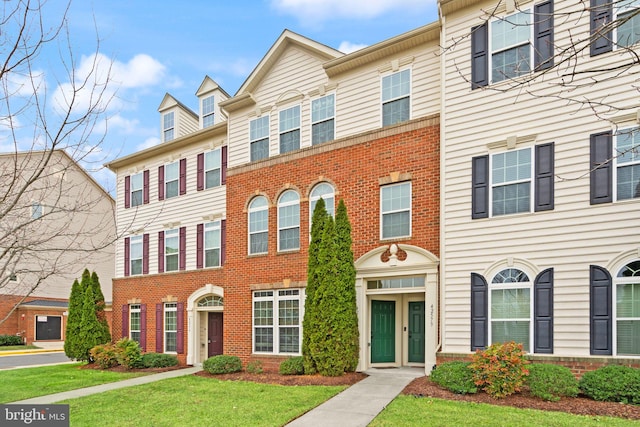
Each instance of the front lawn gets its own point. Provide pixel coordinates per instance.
(20, 384)
(198, 401)
(18, 347)
(422, 411)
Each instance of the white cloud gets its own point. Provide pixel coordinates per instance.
(320, 10)
(148, 143)
(141, 70)
(348, 47)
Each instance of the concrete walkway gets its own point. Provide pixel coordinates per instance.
(362, 402)
(81, 392)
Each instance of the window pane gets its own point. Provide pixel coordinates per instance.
(627, 341)
(322, 108)
(395, 111)
(258, 243)
(396, 85)
(258, 221)
(322, 132)
(396, 197)
(290, 239)
(517, 331)
(290, 141)
(510, 303)
(264, 339)
(259, 149)
(512, 198)
(628, 185)
(290, 119)
(512, 30)
(289, 340)
(629, 28)
(259, 128)
(212, 258)
(395, 225)
(630, 270)
(289, 216)
(628, 300)
(511, 63)
(212, 178)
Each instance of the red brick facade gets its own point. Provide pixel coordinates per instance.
(356, 168)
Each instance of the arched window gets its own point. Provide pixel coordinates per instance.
(288, 221)
(627, 286)
(258, 225)
(510, 307)
(211, 301)
(327, 193)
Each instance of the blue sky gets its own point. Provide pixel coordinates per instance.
(161, 46)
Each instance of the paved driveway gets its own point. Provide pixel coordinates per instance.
(8, 362)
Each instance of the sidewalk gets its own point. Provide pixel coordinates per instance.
(81, 392)
(362, 402)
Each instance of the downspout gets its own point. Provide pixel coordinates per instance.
(442, 180)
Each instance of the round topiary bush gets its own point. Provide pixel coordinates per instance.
(454, 376)
(551, 382)
(222, 364)
(612, 384)
(159, 360)
(292, 366)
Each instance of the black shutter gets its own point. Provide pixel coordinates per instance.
(600, 168)
(544, 183)
(479, 56)
(601, 14)
(543, 312)
(479, 312)
(600, 311)
(543, 30)
(480, 187)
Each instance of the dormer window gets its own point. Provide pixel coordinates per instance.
(208, 108)
(168, 127)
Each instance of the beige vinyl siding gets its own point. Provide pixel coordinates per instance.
(185, 123)
(188, 210)
(569, 238)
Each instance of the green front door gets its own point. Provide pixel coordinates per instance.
(383, 331)
(416, 332)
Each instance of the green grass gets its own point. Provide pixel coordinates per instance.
(18, 347)
(20, 384)
(197, 401)
(413, 411)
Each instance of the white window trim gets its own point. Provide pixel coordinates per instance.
(617, 11)
(531, 180)
(409, 95)
(133, 190)
(166, 128)
(216, 152)
(267, 136)
(275, 299)
(211, 226)
(614, 297)
(211, 114)
(175, 164)
(333, 117)
(382, 213)
(135, 240)
(313, 198)
(285, 204)
(169, 307)
(168, 234)
(616, 165)
(291, 129)
(35, 207)
(516, 285)
(249, 232)
(134, 308)
(530, 41)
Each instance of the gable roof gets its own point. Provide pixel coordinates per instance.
(168, 101)
(209, 85)
(287, 39)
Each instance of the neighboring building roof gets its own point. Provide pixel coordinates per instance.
(45, 303)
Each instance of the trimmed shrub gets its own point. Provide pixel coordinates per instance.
(222, 364)
(158, 360)
(612, 384)
(500, 369)
(454, 376)
(10, 340)
(254, 367)
(128, 353)
(551, 382)
(104, 355)
(292, 366)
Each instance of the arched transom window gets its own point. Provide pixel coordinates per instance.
(211, 301)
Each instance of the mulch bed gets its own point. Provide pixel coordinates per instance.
(423, 387)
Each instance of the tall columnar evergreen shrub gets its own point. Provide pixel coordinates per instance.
(100, 305)
(91, 332)
(72, 331)
(311, 314)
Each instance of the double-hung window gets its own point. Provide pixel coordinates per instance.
(323, 119)
(36, 210)
(396, 105)
(277, 321)
(627, 160)
(212, 244)
(395, 210)
(289, 129)
(170, 327)
(510, 303)
(171, 250)
(136, 189)
(258, 225)
(212, 168)
(511, 48)
(168, 127)
(171, 180)
(627, 288)
(289, 221)
(628, 22)
(134, 322)
(208, 108)
(511, 182)
(259, 138)
(135, 255)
